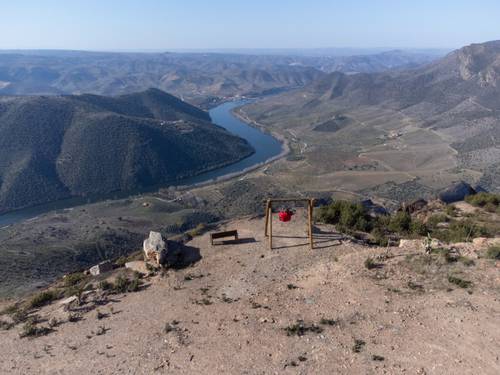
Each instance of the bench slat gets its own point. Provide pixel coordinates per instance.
(229, 233)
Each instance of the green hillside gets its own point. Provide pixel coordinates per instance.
(54, 147)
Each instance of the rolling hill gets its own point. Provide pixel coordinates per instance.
(54, 147)
(444, 116)
(196, 77)
(200, 78)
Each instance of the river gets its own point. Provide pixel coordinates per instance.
(265, 145)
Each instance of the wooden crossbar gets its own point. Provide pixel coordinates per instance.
(269, 217)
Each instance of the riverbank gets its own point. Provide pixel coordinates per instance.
(216, 174)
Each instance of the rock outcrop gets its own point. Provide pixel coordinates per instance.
(155, 248)
(456, 192)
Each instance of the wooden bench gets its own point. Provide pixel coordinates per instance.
(229, 233)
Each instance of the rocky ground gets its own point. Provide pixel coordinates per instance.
(245, 309)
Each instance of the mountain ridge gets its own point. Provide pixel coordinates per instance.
(55, 147)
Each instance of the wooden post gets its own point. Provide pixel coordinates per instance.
(310, 216)
(268, 204)
(270, 227)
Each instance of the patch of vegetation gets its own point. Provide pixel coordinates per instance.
(123, 284)
(171, 327)
(451, 210)
(461, 231)
(370, 263)
(485, 200)
(493, 252)
(300, 329)
(347, 216)
(105, 285)
(328, 322)
(203, 302)
(74, 279)
(43, 298)
(30, 329)
(415, 286)
(9, 310)
(466, 261)
(5, 326)
(198, 230)
(436, 219)
(352, 218)
(446, 254)
(358, 346)
(459, 282)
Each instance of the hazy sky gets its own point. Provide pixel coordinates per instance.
(177, 24)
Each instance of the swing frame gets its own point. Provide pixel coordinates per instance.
(269, 217)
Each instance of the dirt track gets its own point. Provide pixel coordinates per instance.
(230, 316)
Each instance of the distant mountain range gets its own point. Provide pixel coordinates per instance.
(54, 147)
(457, 96)
(200, 78)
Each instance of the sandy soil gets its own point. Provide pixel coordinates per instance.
(228, 315)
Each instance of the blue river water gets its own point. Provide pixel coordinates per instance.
(265, 145)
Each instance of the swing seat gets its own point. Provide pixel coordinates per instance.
(285, 216)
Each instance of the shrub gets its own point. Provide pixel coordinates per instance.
(347, 216)
(379, 237)
(493, 252)
(436, 219)
(122, 284)
(105, 285)
(482, 199)
(459, 282)
(42, 299)
(451, 210)
(370, 263)
(200, 229)
(73, 279)
(300, 329)
(30, 329)
(358, 346)
(461, 231)
(400, 223)
(419, 228)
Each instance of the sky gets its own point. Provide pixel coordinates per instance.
(143, 25)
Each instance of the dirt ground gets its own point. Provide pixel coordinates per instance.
(228, 314)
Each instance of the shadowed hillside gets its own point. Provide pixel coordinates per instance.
(62, 146)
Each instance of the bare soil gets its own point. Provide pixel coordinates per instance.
(229, 314)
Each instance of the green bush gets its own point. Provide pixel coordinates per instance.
(451, 210)
(400, 223)
(483, 199)
(105, 285)
(459, 282)
(379, 237)
(123, 284)
(493, 252)
(347, 216)
(42, 299)
(461, 231)
(73, 279)
(436, 219)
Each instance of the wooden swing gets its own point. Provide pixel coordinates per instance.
(287, 217)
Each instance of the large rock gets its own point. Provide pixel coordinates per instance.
(155, 248)
(161, 252)
(456, 192)
(102, 267)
